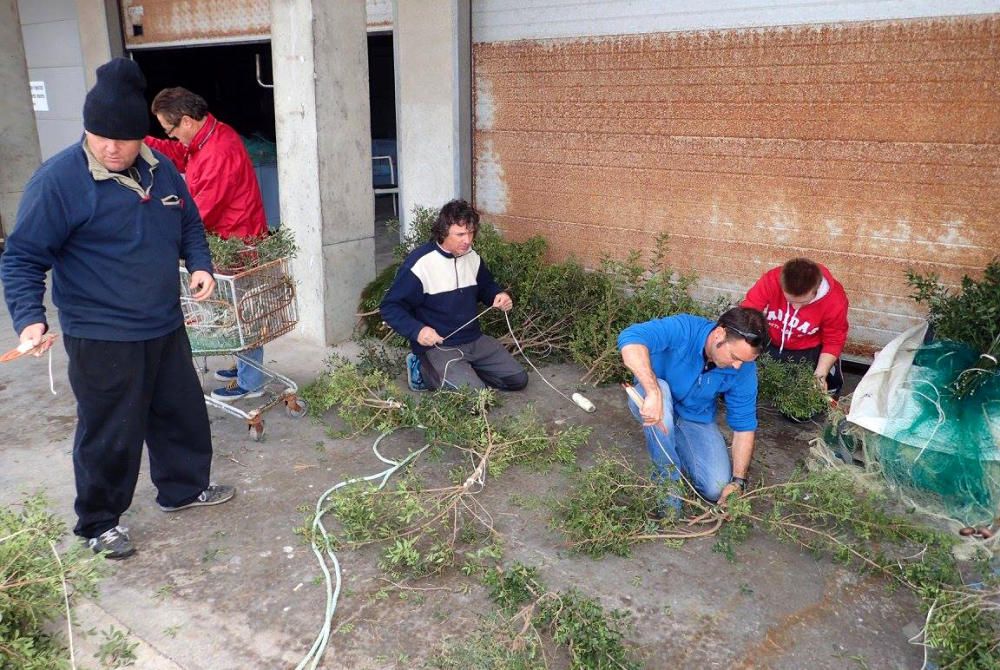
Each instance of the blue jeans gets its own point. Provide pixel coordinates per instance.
(697, 449)
(248, 377)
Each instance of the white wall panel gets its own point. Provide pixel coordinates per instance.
(505, 20)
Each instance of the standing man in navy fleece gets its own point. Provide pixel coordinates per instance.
(433, 303)
(682, 365)
(112, 220)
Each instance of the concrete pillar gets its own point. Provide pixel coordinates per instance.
(320, 67)
(19, 147)
(100, 35)
(433, 62)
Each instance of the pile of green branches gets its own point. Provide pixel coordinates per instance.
(532, 617)
(791, 388)
(561, 309)
(610, 509)
(38, 585)
(234, 255)
(970, 315)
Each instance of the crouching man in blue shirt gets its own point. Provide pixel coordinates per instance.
(682, 364)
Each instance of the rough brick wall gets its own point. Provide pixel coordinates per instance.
(869, 147)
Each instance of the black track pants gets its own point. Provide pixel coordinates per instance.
(127, 393)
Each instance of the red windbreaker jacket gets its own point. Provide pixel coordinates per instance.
(822, 322)
(221, 179)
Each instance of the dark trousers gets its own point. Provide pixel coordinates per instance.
(478, 364)
(834, 380)
(127, 393)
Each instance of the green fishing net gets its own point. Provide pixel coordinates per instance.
(942, 450)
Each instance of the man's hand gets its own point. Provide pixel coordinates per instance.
(727, 490)
(202, 284)
(821, 382)
(428, 337)
(33, 335)
(503, 302)
(652, 410)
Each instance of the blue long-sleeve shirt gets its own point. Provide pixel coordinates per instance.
(676, 351)
(438, 289)
(113, 245)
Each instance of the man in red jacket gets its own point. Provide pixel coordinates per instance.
(220, 176)
(806, 310)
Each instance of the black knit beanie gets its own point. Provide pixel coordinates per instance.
(116, 107)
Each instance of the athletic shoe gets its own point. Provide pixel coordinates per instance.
(213, 495)
(414, 379)
(227, 375)
(114, 543)
(233, 391)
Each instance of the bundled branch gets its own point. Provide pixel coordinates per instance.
(791, 388)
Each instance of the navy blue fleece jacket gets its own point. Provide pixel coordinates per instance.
(677, 353)
(114, 254)
(437, 289)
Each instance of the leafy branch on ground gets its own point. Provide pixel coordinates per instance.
(560, 309)
(426, 528)
(116, 650)
(37, 583)
(610, 509)
(790, 387)
(531, 618)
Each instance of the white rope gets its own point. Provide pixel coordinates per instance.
(69, 615)
(333, 583)
(518, 344)
(52, 383)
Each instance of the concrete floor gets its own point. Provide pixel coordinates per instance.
(233, 587)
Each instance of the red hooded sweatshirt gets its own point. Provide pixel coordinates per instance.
(822, 322)
(221, 179)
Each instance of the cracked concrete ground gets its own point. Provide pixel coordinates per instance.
(234, 587)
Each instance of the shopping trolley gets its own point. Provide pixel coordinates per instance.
(248, 309)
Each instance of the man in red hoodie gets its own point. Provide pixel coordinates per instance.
(220, 176)
(806, 310)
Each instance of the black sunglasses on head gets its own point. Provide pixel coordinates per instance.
(753, 339)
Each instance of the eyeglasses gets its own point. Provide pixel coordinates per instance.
(753, 339)
(170, 133)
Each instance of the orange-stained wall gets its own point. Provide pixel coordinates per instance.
(869, 147)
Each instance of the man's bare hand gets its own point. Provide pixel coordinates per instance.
(821, 382)
(33, 334)
(727, 490)
(503, 302)
(202, 284)
(428, 337)
(652, 411)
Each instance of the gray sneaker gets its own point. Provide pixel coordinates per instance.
(213, 495)
(114, 543)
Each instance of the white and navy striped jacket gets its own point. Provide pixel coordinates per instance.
(437, 289)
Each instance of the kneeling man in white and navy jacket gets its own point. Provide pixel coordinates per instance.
(433, 302)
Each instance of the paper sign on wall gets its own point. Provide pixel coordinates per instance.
(39, 97)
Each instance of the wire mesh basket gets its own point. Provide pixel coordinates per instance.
(247, 309)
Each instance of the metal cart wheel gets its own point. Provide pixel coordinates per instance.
(256, 431)
(295, 406)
